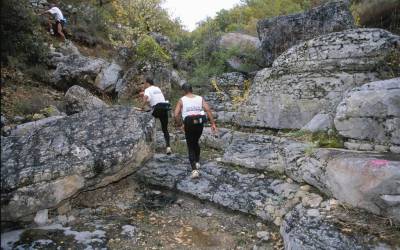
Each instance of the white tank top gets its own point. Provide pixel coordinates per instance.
(192, 106)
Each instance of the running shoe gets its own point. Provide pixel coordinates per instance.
(169, 151)
(195, 174)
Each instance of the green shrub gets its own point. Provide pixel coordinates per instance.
(377, 14)
(34, 104)
(20, 31)
(148, 50)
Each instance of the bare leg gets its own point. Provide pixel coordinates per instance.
(49, 24)
(60, 31)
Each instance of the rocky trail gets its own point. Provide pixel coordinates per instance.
(231, 206)
(307, 155)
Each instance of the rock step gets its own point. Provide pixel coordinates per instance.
(362, 179)
(305, 225)
(254, 194)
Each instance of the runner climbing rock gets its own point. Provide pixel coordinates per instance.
(160, 107)
(191, 110)
(59, 20)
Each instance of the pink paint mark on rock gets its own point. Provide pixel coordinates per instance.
(379, 163)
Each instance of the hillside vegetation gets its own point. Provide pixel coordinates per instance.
(103, 28)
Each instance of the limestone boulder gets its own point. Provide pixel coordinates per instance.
(31, 127)
(364, 180)
(228, 90)
(371, 113)
(320, 122)
(78, 99)
(312, 77)
(107, 79)
(245, 50)
(73, 68)
(280, 33)
(84, 151)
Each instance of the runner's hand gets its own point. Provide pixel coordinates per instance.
(214, 128)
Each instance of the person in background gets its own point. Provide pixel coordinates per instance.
(59, 20)
(191, 109)
(160, 107)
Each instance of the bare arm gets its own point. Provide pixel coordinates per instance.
(145, 101)
(207, 108)
(178, 112)
(44, 12)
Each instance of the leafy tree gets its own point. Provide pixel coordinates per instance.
(20, 32)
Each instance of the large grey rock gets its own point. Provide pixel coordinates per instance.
(280, 33)
(31, 127)
(320, 122)
(108, 77)
(264, 197)
(71, 68)
(364, 180)
(246, 51)
(78, 99)
(262, 152)
(76, 153)
(300, 230)
(228, 91)
(76, 69)
(219, 141)
(312, 77)
(371, 113)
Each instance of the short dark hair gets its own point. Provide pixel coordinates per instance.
(187, 88)
(149, 80)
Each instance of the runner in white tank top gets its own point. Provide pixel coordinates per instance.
(191, 110)
(192, 106)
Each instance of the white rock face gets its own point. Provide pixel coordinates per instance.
(313, 77)
(371, 113)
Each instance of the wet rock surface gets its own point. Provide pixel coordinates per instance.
(312, 77)
(280, 33)
(82, 151)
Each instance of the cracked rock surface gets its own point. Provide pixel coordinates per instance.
(86, 150)
(312, 77)
(255, 194)
(280, 33)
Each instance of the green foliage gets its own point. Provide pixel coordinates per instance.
(377, 14)
(201, 49)
(138, 18)
(21, 35)
(148, 50)
(319, 139)
(31, 105)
